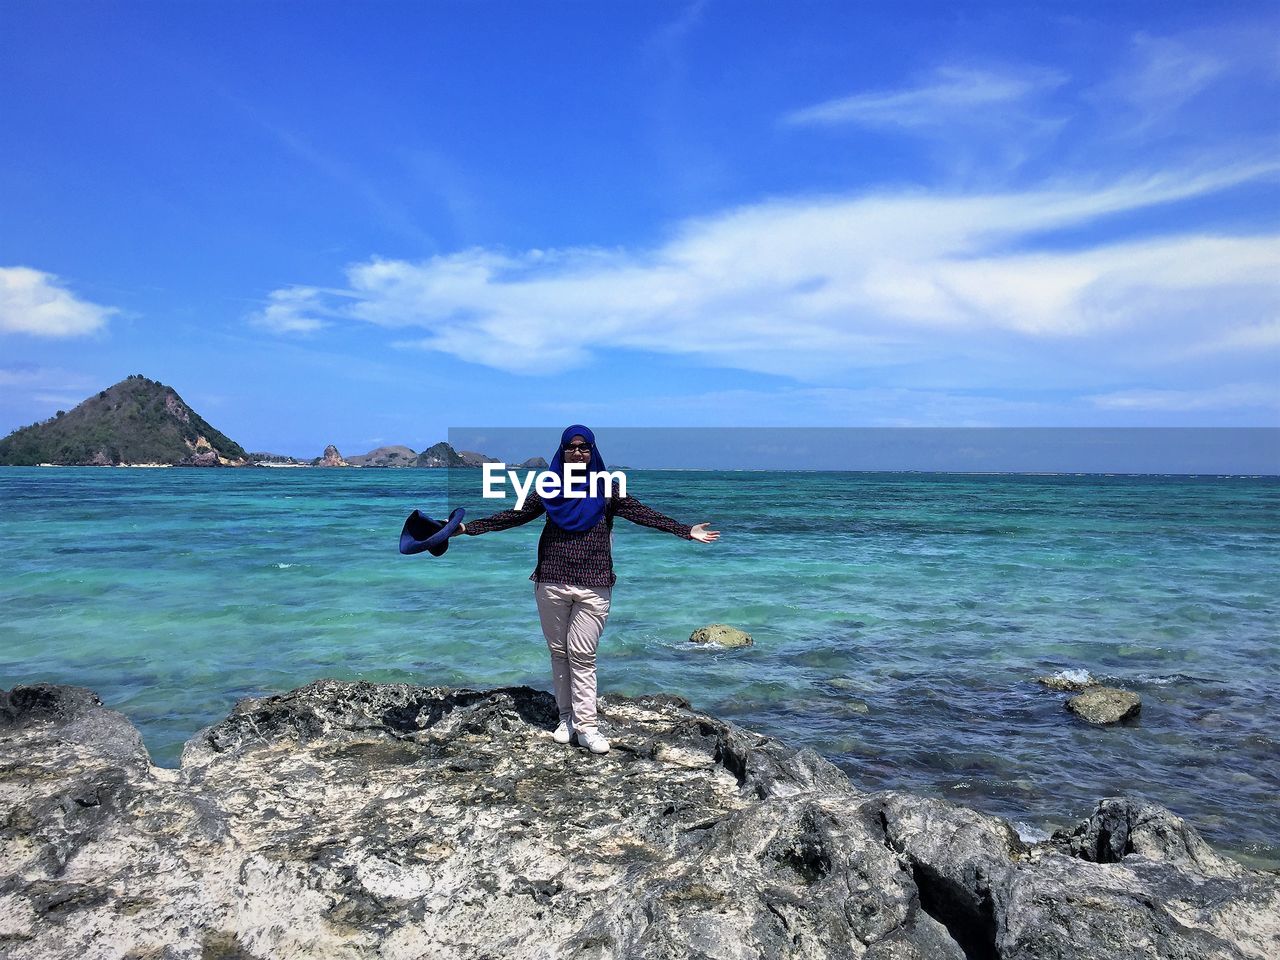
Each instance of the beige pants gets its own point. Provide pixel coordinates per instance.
(572, 620)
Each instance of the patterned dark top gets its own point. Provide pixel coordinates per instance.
(583, 558)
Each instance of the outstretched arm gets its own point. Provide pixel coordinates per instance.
(637, 512)
(533, 507)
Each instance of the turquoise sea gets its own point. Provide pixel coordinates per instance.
(899, 619)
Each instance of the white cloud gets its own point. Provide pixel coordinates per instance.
(37, 303)
(817, 287)
(949, 96)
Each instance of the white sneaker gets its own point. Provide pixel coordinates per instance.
(593, 740)
(564, 732)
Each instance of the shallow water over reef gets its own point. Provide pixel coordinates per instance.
(899, 619)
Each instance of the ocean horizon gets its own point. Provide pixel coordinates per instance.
(900, 618)
(1223, 475)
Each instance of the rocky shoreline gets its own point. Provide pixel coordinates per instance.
(352, 820)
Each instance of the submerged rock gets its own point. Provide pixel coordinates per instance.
(358, 820)
(1071, 680)
(1105, 705)
(722, 635)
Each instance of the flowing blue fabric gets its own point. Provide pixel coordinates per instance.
(576, 513)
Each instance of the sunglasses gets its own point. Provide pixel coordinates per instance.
(578, 448)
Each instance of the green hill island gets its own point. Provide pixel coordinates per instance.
(137, 421)
(144, 423)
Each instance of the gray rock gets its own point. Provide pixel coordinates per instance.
(1120, 827)
(79, 717)
(722, 635)
(358, 820)
(1105, 705)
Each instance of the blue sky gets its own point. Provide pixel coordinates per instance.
(362, 224)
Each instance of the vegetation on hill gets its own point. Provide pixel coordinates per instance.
(135, 421)
(262, 456)
(394, 456)
(144, 421)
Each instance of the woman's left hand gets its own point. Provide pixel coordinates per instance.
(699, 532)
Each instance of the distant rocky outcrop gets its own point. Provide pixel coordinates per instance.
(473, 459)
(394, 456)
(359, 820)
(443, 455)
(330, 458)
(440, 455)
(136, 421)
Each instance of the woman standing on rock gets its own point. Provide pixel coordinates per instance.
(574, 578)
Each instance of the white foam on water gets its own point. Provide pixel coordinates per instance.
(1079, 675)
(285, 566)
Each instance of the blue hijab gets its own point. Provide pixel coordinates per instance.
(576, 513)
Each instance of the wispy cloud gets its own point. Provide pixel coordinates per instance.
(813, 406)
(29, 389)
(1253, 336)
(1161, 75)
(822, 287)
(38, 303)
(982, 121)
(364, 189)
(392, 212)
(1228, 397)
(949, 96)
(12, 374)
(67, 400)
(291, 310)
(672, 35)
